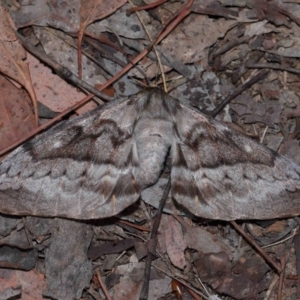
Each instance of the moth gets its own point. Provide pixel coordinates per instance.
(96, 165)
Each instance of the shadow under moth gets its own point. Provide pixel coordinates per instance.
(97, 164)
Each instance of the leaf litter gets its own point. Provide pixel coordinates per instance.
(211, 52)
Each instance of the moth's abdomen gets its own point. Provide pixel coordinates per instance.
(153, 140)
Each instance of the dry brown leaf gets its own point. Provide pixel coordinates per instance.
(53, 91)
(32, 283)
(12, 56)
(127, 289)
(205, 242)
(16, 115)
(175, 243)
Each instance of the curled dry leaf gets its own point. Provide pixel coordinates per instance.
(175, 243)
(16, 115)
(12, 56)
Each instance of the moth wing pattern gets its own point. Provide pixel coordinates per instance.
(218, 173)
(93, 166)
(97, 164)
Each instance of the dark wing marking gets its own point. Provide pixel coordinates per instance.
(93, 166)
(218, 173)
(96, 165)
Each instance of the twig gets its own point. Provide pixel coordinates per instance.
(48, 124)
(228, 46)
(264, 135)
(281, 277)
(67, 73)
(139, 227)
(61, 70)
(94, 293)
(173, 22)
(69, 40)
(257, 247)
(154, 48)
(297, 248)
(109, 55)
(145, 7)
(238, 91)
(271, 287)
(102, 285)
(183, 282)
(145, 288)
(182, 14)
(272, 67)
(294, 233)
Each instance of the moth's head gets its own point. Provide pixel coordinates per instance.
(154, 103)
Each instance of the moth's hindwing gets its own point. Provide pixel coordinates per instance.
(96, 165)
(218, 173)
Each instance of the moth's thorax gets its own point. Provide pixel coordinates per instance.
(153, 139)
(153, 133)
(96, 165)
(153, 128)
(156, 105)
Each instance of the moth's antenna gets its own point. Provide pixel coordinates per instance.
(154, 48)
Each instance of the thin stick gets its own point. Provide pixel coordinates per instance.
(64, 72)
(238, 91)
(145, 288)
(183, 282)
(102, 285)
(257, 247)
(272, 67)
(183, 13)
(154, 48)
(297, 248)
(67, 74)
(271, 287)
(145, 7)
(48, 124)
(281, 277)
